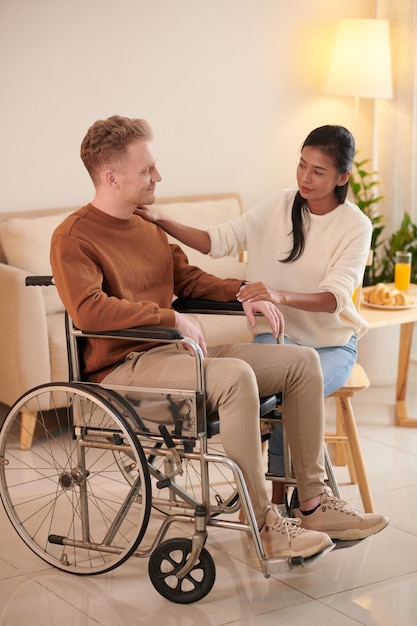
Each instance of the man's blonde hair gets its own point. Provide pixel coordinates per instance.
(106, 142)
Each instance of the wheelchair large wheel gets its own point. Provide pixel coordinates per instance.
(167, 559)
(66, 496)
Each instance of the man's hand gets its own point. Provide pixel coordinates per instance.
(148, 213)
(269, 310)
(191, 330)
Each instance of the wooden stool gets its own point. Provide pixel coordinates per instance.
(347, 448)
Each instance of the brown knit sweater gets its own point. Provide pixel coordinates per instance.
(113, 274)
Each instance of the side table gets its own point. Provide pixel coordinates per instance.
(406, 318)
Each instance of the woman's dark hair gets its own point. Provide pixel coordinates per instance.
(338, 144)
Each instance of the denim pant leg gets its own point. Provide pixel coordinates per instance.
(336, 363)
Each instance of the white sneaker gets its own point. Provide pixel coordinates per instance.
(336, 518)
(282, 537)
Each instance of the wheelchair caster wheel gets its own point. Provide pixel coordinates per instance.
(167, 559)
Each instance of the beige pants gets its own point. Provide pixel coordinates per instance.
(236, 376)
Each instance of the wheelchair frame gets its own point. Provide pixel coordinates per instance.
(81, 496)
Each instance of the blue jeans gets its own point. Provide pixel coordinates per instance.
(336, 363)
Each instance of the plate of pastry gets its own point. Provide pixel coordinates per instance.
(382, 296)
(387, 307)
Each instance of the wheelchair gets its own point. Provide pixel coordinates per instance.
(103, 457)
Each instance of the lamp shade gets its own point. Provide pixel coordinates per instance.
(360, 65)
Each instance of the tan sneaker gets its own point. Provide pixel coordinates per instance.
(282, 537)
(336, 518)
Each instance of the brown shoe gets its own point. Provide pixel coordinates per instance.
(336, 518)
(282, 537)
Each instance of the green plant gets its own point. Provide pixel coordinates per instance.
(405, 238)
(363, 185)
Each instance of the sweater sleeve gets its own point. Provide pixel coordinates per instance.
(79, 280)
(228, 239)
(347, 265)
(232, 237)
(192, 282)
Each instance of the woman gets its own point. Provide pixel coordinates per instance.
(307, 250)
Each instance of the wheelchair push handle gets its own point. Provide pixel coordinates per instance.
(37, 281)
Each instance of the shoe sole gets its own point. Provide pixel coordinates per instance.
(315, 552)
(352, 534)
(305, 554)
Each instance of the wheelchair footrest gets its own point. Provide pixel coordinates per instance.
(296, 561)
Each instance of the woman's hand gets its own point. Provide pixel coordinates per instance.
(254, 292)
(322, 302)
(269, 311)
(148, 213)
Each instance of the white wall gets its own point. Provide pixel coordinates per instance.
(231, 88)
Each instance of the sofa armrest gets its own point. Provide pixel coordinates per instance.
(24, 360)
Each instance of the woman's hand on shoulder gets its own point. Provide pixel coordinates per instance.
(148, 213)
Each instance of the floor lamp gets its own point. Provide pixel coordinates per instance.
(360, 66)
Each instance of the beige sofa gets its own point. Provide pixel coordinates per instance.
(32, 318)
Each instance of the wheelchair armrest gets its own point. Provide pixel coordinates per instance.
(157, 333)
(38, 281)
(197, 305)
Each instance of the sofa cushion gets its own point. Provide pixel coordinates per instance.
(202, 214)
(26, 243)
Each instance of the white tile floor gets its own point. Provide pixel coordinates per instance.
(373, 583)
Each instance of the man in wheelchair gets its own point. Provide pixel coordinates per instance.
(114, 270)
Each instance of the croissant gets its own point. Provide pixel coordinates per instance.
(384, 295)
(379, 294)
(402, 299)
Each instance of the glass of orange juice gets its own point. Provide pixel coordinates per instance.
(402, 272)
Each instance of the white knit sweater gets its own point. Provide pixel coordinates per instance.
(336, 248)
